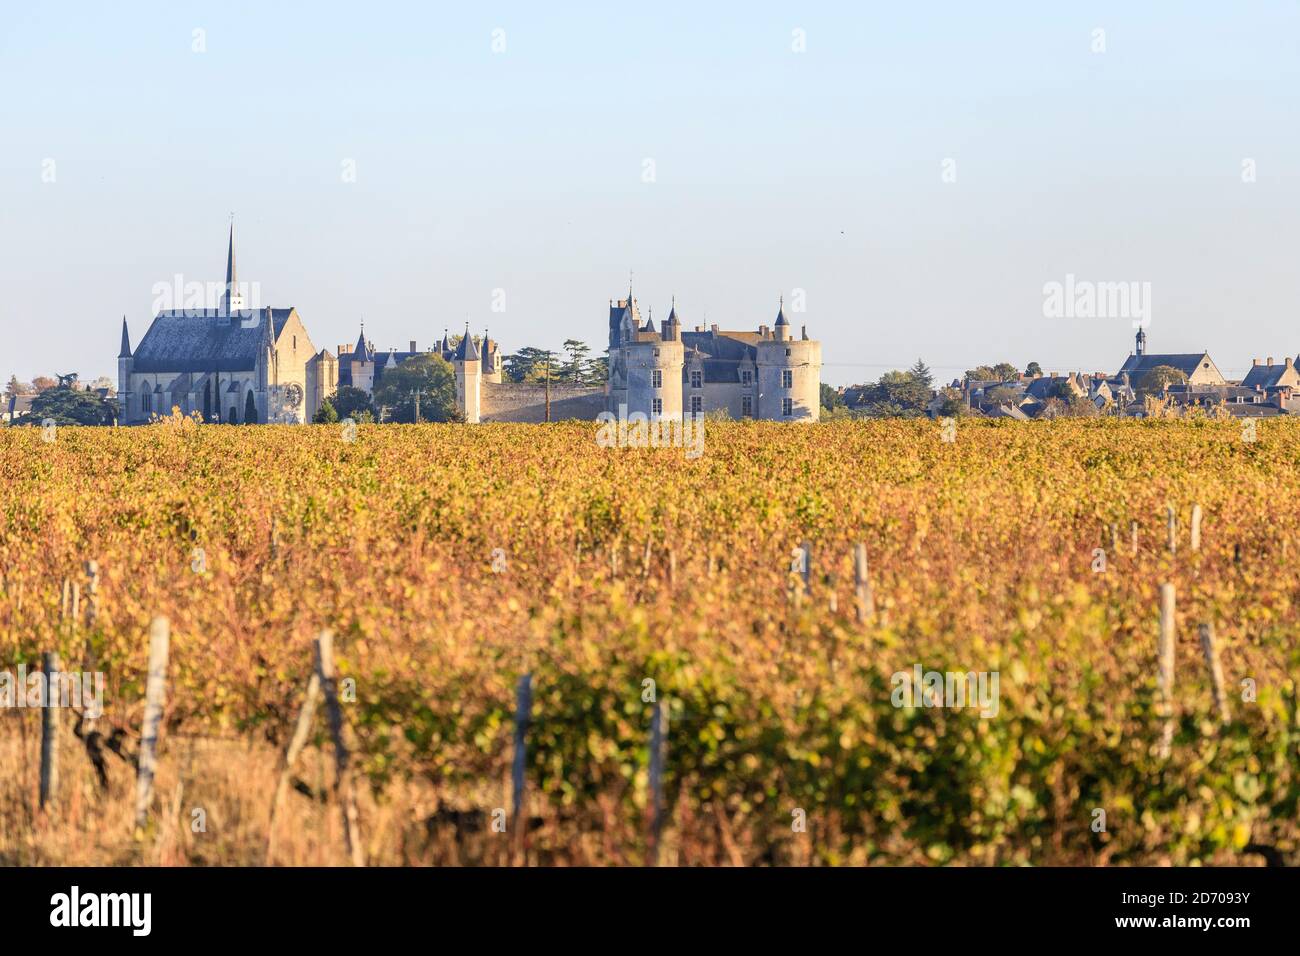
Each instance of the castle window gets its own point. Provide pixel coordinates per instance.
(745, 377)
(787, 351)
(657, 379)
(697, 379)
(747, 406)
(657, 406)
(787, 378)
(787, 407)
(656, 353)
(697, 404)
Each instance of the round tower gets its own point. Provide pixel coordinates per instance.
(654, 377)
(789, 374)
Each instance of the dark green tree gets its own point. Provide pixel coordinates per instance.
(527, 365)
(427, 376)
(348, 402)
(575, 368)
(70, 406)
(326, 414)
(1033, 370)
(250, 410)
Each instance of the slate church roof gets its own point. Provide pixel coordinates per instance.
(206, 340)
(1187, 363)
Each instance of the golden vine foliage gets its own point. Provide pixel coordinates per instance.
(982, 559)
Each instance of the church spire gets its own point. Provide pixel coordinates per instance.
(125, 351)
(232, 301)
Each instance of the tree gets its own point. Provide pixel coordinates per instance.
(897, 394)
(830, 398)
(920, 373)
(70, 406)
(43, 382)
(1005, 372)
(574, 370)
(1080, 406)
(526, 365)
(598, 370)
(431, 378)
(1033, 370)
(250, 410)
(982, 373)
(952, 405)
(327, 414)
(1155, 381)
(348, 402)
(16, 387)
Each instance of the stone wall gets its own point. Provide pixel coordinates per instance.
(526, 402)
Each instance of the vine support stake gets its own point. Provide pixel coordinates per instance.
(658, 755)
(1210, 648)
(1167, 660)
(518, 766)
(342, 775)
(50, 729)
(154, 694)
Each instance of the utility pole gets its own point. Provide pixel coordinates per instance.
(548, 385)
(415, 394)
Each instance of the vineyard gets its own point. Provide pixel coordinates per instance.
(448, 561)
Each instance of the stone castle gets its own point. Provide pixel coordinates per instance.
(239, 365)
(667, 373)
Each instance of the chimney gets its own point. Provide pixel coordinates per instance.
(1270, 360)
(714, 328)
(1289, 361)
(1254, 361)
(413, 348)
(762, 331)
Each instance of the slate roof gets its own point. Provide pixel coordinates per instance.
(203, 340)
(1187, 363)
(721, 354)
(467, 351)
(1265, 376)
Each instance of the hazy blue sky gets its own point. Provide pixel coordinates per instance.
(775, 170)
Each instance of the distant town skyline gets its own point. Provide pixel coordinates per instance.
(918, 176)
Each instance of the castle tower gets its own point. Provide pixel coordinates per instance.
(789, 375)
(468, 377)
(363, 364)
(781, 330)
(672, 330)
(125, 363)
(653, 369)
(491, 358)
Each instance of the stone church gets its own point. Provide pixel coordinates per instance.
(229, 364)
